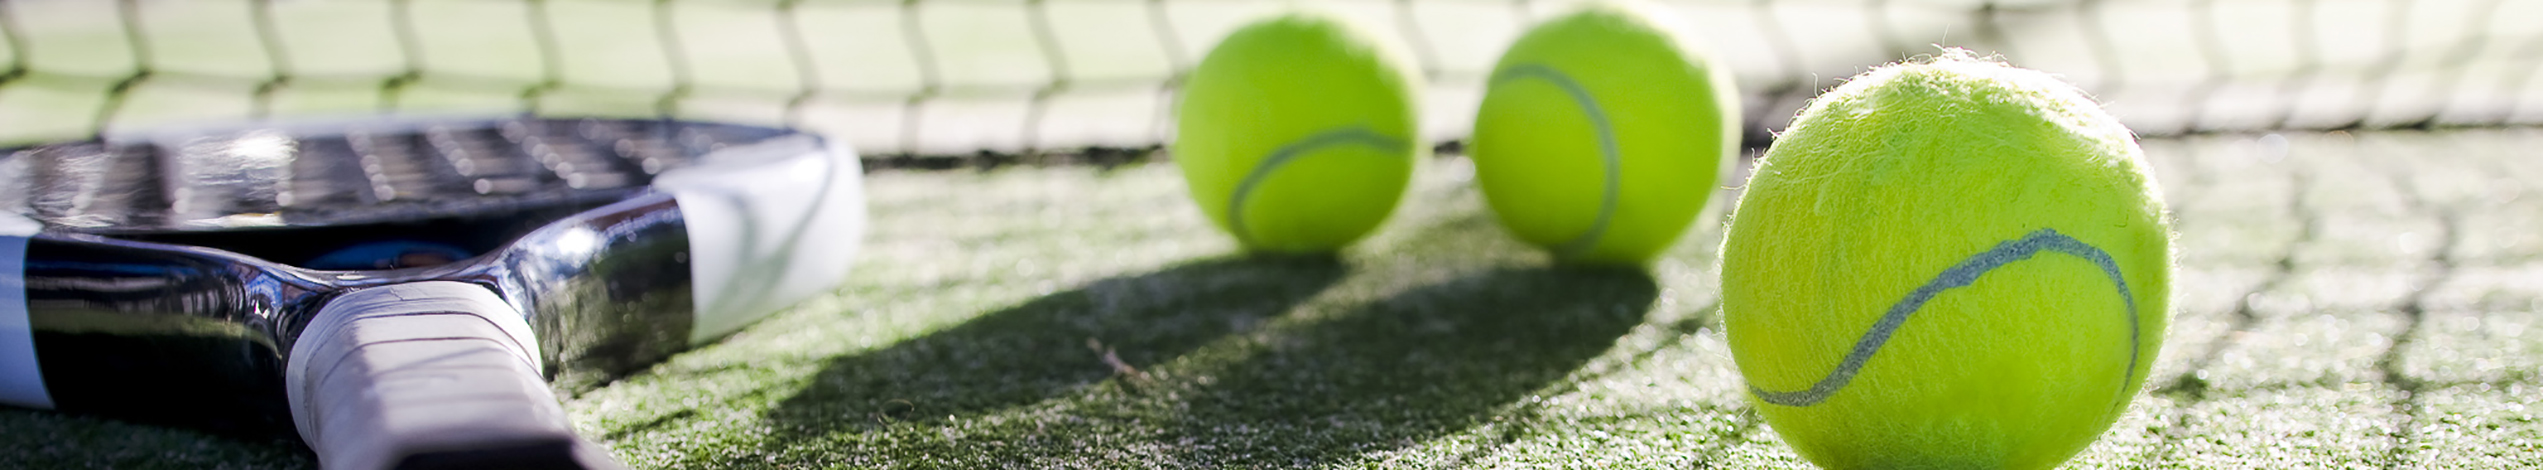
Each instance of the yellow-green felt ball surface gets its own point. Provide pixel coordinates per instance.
(1949, 263)
(1601, 135)
(1297, 133)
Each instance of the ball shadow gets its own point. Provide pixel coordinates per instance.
(1422, 364)
(1050, 346)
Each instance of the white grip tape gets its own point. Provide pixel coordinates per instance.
(21, 378)
(385, 373)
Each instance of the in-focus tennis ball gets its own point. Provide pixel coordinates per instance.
(1297, 133)
(1948, 263)
(1602, 134)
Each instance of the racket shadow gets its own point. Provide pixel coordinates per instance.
(1049, 347)
(1423, 364)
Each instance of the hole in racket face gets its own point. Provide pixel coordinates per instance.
(352, 196)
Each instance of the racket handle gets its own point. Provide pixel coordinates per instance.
(428, 375)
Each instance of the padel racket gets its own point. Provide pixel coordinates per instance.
(405, 294)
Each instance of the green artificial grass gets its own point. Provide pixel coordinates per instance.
(1065, 317)
(2363, 300)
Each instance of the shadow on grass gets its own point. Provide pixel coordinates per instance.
(1422, 364)
(39, 439)
(1051, 346)
(1243, 378)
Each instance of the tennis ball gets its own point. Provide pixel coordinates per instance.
(1947, 263)
(1296, 134)
(1601, 135)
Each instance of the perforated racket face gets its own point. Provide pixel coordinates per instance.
(360, 195)
(347, 174)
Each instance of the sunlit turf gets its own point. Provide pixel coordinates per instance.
(2357, 300)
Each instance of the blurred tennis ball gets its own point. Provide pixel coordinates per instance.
(1297, 133)
(1948, 263)
(1602, 134)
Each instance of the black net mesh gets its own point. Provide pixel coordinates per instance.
(1001, 80)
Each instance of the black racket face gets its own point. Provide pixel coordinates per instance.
(296, 194)
(130, 319)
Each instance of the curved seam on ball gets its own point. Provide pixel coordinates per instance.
(1962, 275)
(1351, 135)
(1606, 150)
